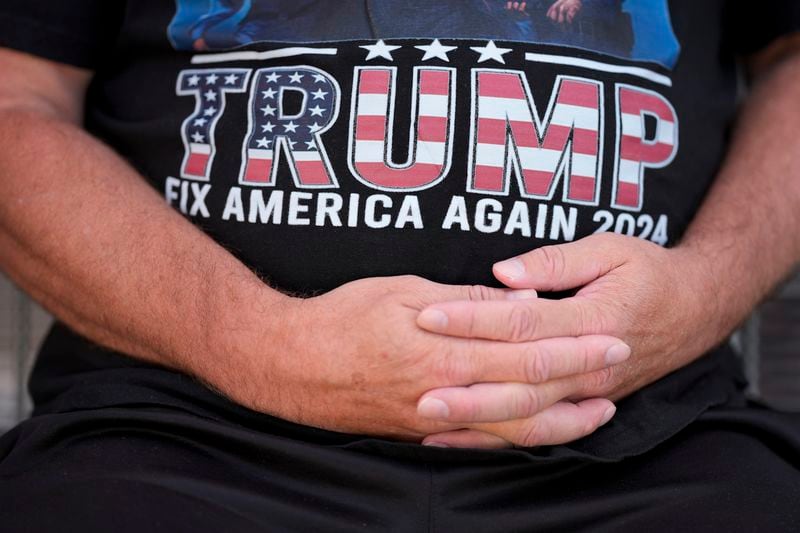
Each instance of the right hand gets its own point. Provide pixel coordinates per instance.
(354, 360)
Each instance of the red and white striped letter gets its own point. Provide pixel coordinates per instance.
(209, 87)
(430, 140)
(507, 133)
(274, 129)
(634, 151)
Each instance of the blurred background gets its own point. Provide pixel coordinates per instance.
(769, 343)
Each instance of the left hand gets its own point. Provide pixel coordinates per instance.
(661, 302)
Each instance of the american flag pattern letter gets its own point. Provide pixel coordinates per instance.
(430, 137)
(298, 136)
(508, 134)
(209, 87)
(634, 151)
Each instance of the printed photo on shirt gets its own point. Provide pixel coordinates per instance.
(639, 30)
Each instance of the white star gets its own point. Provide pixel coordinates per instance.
(268, 110)
(319, 94)
(314, 128)
(490, 51)
(200, 122)
(269, 93)
(316, 111)
(311, 145)
(211, 96)
(193, 80)
(380, 49)
(263, 142)
(295, 78)
(197, 137)
(436, 49)
(291, 126)
(268, 127)
(291, 143)
(230, 80)
(319, 78)
(212, 79)
(210, 111)
(273, 78)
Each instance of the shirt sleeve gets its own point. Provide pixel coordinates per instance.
(75, 32)
(752, 26)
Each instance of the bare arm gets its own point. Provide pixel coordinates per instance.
(87, 237)
(748, 226)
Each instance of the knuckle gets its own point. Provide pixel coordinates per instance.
(409, 280)
(588, 323)
(552, 262)
(608, 238)
(523, 323)
(527, 403)
(586, 355)
(443, 369)
(451, 370)
(466, 409)
(595, 318)
(531, 433)
(471, 324)
(479, 293)
(601, 380)
(536, 365)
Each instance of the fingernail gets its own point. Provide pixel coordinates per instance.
(617, 354)
(435, 444)
(432, 319)
(512, 269)
(433, 408)
(608, 415)
(526, 294)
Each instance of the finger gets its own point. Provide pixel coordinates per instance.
(543, 360)
(523, 5)
(561, 11)
(466, 438)
(514, 320)
(477, 293)
(473, 293)
(551, 13)
(492, 402)
(561, 423)
(564, 266)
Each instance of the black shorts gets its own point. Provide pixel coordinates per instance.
(130, 447)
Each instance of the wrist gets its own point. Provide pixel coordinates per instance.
(708, 301)
(245, 336)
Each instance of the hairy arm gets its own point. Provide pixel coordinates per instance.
(86, 236)
(747, 229)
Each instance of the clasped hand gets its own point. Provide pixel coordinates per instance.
(470, 366)
(656, 301)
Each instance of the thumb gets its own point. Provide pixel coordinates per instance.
(562, 267)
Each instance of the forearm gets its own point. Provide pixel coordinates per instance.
(84, 234)
(745, 237)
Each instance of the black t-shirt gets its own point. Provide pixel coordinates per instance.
(323, 142)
